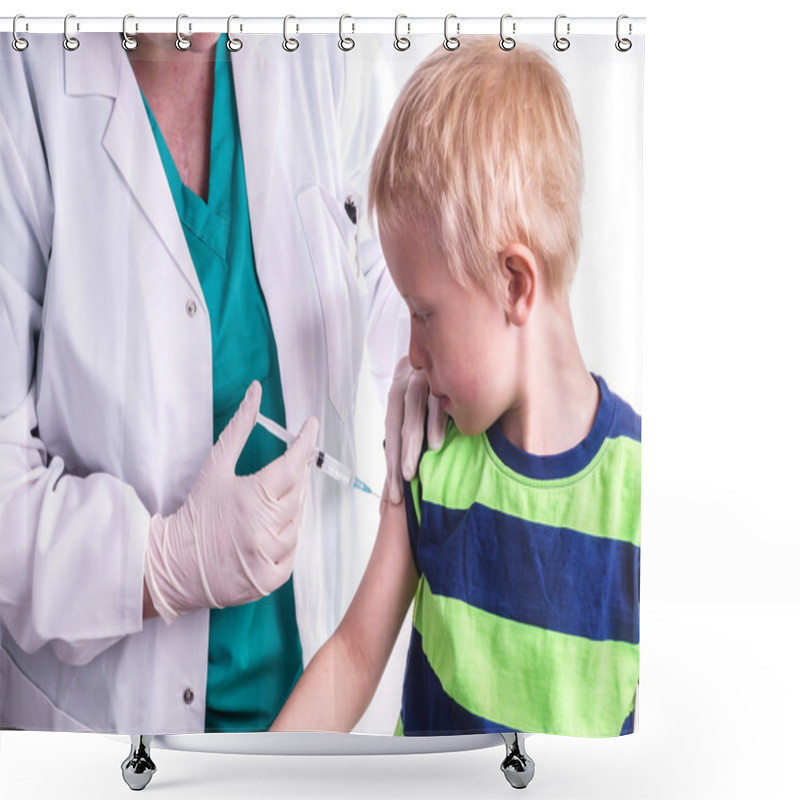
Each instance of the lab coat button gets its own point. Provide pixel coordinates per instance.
(191, 307)
(188, 697)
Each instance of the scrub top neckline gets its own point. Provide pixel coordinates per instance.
(207, 218)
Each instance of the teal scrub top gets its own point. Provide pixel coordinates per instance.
(254, 655)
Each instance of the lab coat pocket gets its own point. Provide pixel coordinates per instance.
(332, 243)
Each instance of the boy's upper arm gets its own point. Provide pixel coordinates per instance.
(379, 607)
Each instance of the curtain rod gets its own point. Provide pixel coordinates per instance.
(350, 24)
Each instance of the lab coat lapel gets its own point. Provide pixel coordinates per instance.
(129, 142)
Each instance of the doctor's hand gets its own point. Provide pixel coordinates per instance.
(409, 398)
(233, 540)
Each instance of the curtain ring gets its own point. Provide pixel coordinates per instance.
(623, 45)
(181, 42)
(451, 42)
(507, 42)
(561, 43)
(18, 43)
(289, 45)
(401, 43)
(233, 44)
(345, 42)
(70, 42)
(128, 42)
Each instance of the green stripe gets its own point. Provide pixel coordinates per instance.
(604, 499)
(415, 492)
(527, 678)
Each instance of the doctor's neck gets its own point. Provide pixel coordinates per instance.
(161, 47)
(179, 87)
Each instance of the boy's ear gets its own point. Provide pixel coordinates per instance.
(520, 282)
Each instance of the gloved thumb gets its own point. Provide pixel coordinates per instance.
(437, 423)
(233, 438)
(283, 473)
(302, 448)
(414, 423)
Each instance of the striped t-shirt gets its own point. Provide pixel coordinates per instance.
(526, 615)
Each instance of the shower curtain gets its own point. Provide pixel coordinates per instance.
(138, 304)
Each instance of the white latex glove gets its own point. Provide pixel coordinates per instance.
(234, 539)
(409, 398)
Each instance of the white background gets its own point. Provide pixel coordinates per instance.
(720, 601)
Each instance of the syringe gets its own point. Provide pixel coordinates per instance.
(322, 461)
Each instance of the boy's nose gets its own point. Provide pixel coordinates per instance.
(417, 355)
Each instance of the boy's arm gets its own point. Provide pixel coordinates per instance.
(335, 690)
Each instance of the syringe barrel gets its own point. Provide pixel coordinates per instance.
(333, 468)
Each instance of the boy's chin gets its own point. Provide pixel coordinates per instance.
(468, 427)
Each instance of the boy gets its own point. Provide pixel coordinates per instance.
(520, 536)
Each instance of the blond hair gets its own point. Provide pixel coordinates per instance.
(482, 150)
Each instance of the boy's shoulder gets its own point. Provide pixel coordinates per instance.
(624, 420)
(461, 456)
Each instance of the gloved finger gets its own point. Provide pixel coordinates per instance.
(392, 444)
(437, 422)
(278, 572)
(276, 545)
(414, 422)
(267, 574)
(278, 477)
(274, 515)
(232, 439)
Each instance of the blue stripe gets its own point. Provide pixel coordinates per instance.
(554, 578)
(626, 422)
(427, 709)
(627, 726)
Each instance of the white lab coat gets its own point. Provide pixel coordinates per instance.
(106, 386)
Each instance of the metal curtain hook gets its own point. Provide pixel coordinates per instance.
(561, 43)
(401, 42)
(289, 44)
(345, 42)
(451, 42)
(18, 43)
(128, 42)
(233, 44)
(507, 42)
(623, 45)
(181, 42)
(70, 42)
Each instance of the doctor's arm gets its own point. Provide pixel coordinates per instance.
(81, 559)
(72, 555)
(336, 688)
